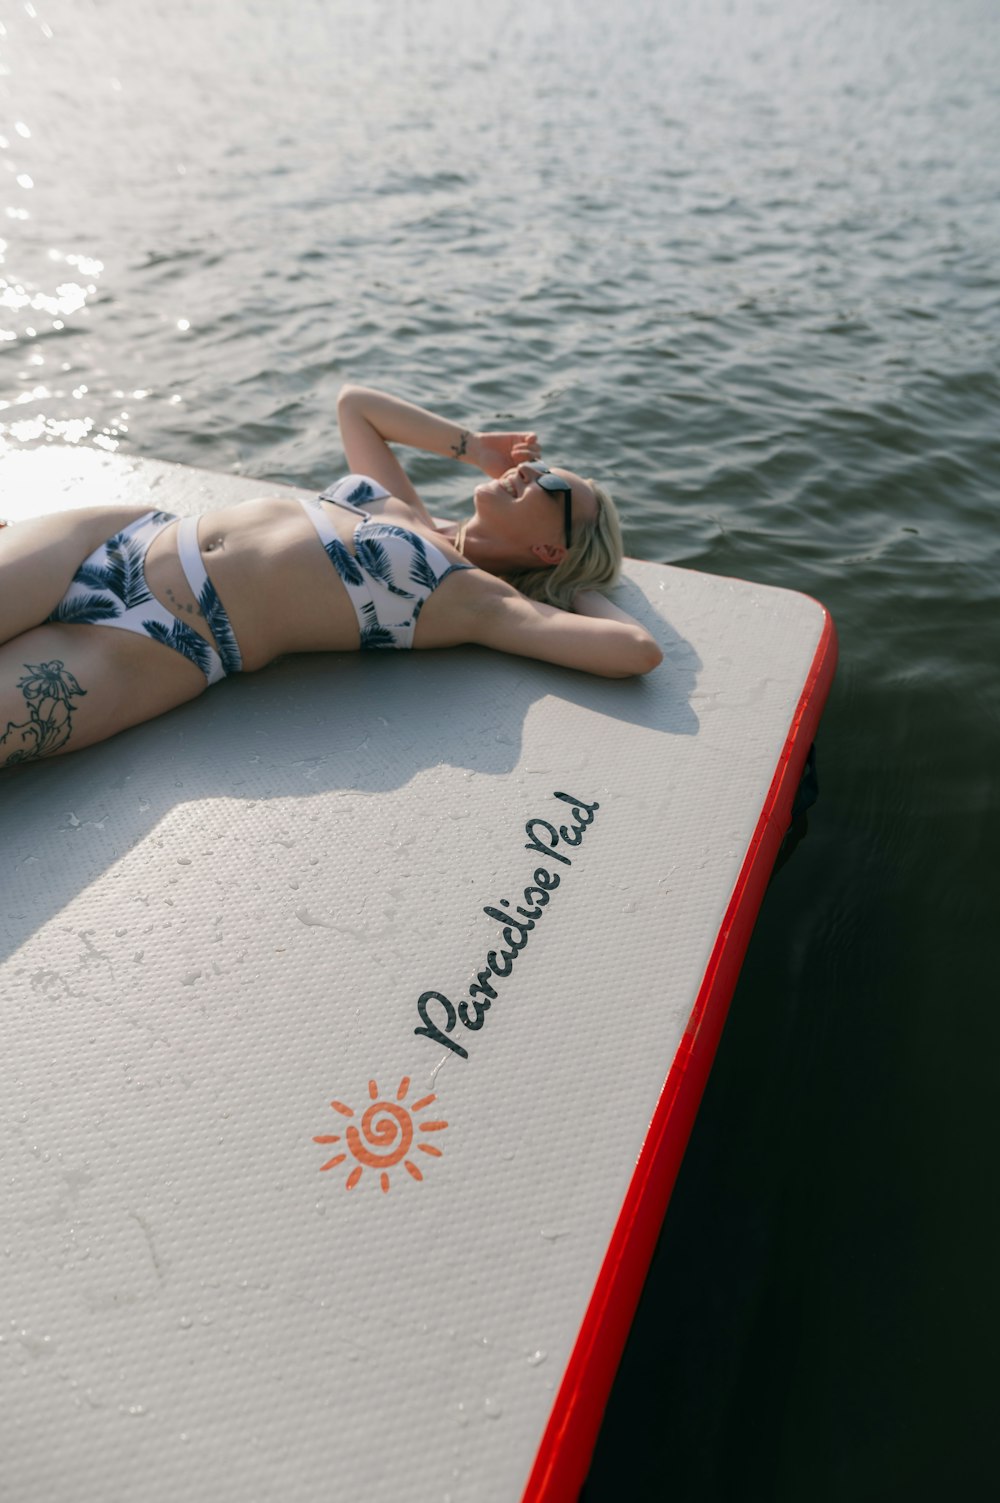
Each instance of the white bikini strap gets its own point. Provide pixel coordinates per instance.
(190, 555)
(318, 517)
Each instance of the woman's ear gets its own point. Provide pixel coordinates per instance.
(548, 554)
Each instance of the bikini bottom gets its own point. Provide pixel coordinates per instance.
(110, 589)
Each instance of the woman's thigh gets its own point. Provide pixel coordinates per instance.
(38, 559)
(65, 686)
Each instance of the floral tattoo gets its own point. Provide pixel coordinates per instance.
(463, 439)
(49, 690)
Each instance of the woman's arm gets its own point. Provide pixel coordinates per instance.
(372, 420)
(593, 603)
(602, 639)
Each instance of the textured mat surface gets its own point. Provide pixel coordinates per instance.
(289, 1206)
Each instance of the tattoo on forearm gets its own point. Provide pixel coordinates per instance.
(463, 440)
(49, 690)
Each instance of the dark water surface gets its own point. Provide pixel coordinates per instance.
(740, 260)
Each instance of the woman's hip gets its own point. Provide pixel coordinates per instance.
(39, 558)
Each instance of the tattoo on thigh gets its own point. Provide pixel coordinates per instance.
(49, 690)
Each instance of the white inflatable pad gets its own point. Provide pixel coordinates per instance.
(355, 1016)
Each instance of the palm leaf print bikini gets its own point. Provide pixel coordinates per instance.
(388, 578)
(391, 572)
(110, 589)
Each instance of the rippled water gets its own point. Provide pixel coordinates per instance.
(739, 260)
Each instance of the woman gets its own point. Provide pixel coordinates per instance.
(197, 598)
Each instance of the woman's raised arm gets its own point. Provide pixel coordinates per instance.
(372, 420)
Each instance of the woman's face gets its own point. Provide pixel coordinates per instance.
(518, 511)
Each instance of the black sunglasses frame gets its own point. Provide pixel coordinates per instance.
(556, 485)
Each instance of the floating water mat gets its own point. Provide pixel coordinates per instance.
(356, 1015)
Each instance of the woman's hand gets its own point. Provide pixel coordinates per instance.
(496, 453)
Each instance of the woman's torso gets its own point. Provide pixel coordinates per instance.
(281, 591)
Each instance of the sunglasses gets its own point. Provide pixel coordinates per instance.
(556, 485)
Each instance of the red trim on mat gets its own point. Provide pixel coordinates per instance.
(563, 1458)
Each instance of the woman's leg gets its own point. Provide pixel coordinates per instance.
(65, 686)
(39, 558)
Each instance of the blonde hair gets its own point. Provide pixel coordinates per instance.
(592, 563)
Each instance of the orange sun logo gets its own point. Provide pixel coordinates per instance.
(386, 1135)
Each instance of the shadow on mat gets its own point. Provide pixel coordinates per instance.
(310, 726)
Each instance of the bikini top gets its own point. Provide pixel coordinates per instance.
(391, 572)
